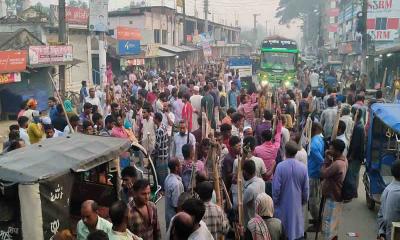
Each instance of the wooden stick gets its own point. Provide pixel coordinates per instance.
(384, 79)
(336, 125)
(62, 103)
(214, 149)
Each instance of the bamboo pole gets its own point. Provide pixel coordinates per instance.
(336, 125)
(61, 102)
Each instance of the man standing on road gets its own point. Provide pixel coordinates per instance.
(314, 163)
(144, 219)
(94, 100)
(119, 215)
(91, 221)
(160, 151)
(269, 150)
(328, 117)
(180, 139)
(195, 208)
(390, 209)
(195, 100)
(290, 192)
(23, 126)
(314, 79)
(173, 189)
(333, 173)
(252, 187)
(129, 177)
(214, 217)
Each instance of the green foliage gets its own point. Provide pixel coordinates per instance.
(77, 3)
(289, 10)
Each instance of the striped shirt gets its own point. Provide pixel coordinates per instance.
(216, 220)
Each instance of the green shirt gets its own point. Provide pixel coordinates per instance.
(114, 235)
(82, 230)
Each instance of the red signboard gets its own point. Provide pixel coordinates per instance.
(333, 27)
(332, 12)
(73, 15)
(127, 33)
(10, 78)
(12, 61)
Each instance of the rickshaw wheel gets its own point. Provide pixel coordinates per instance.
(370, 202)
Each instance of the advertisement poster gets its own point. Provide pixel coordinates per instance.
(98, 15)
(127, 33)
(73, 15)
(50, 54)
(128, 47)
(12, 61)
(10, 78)
(383, 20)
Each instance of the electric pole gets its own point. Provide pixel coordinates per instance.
(364, 37)
(255, 29)
(62, 39)
(184, 21)
(206, 16)
(266, 28)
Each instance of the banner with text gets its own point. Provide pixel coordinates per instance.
(10, 78)
(73, 15)
(98, 15)
(50, 54)
(127, 33)
(128, 47)
(12, 61)
(383, 20)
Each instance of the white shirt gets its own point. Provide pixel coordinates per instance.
(301, 155)
(346, 143)
(165, 121)
(24, 136)
(95, 101)
(314, 79)
(202, 233)
(195, 100)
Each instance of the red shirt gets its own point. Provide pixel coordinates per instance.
(187, 114)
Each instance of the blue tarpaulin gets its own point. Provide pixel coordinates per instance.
(388, 114)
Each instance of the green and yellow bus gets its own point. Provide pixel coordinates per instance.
(278, 62)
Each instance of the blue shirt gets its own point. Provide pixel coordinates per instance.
(53, 113)
(238, 83)
(316, 157)
(232, 99)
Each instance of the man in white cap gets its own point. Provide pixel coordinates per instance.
(195, 100)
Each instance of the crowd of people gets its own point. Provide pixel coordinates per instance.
(300, 146)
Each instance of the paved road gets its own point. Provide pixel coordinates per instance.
(356, 218)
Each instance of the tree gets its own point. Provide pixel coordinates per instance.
(77, 3)
(289, 10)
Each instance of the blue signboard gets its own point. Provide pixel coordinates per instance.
(239, 61)
(129, 47)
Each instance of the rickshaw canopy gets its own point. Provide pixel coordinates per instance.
(57, 156)
(389, 114)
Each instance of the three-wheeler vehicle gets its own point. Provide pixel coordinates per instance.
(382, 149)
(42, 186)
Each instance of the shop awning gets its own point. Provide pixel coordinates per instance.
(73, 62)
(189, 48)
(173, 49)
(162, 53)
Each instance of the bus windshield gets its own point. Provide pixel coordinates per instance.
(279, 60)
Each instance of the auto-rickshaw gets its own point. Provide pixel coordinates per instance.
(43, 185)
(382, 149)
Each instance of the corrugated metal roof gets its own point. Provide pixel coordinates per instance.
(57, 156)
(174, 49)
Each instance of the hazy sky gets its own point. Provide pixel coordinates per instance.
(223, 10)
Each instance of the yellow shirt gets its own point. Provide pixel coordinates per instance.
(35, 132)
